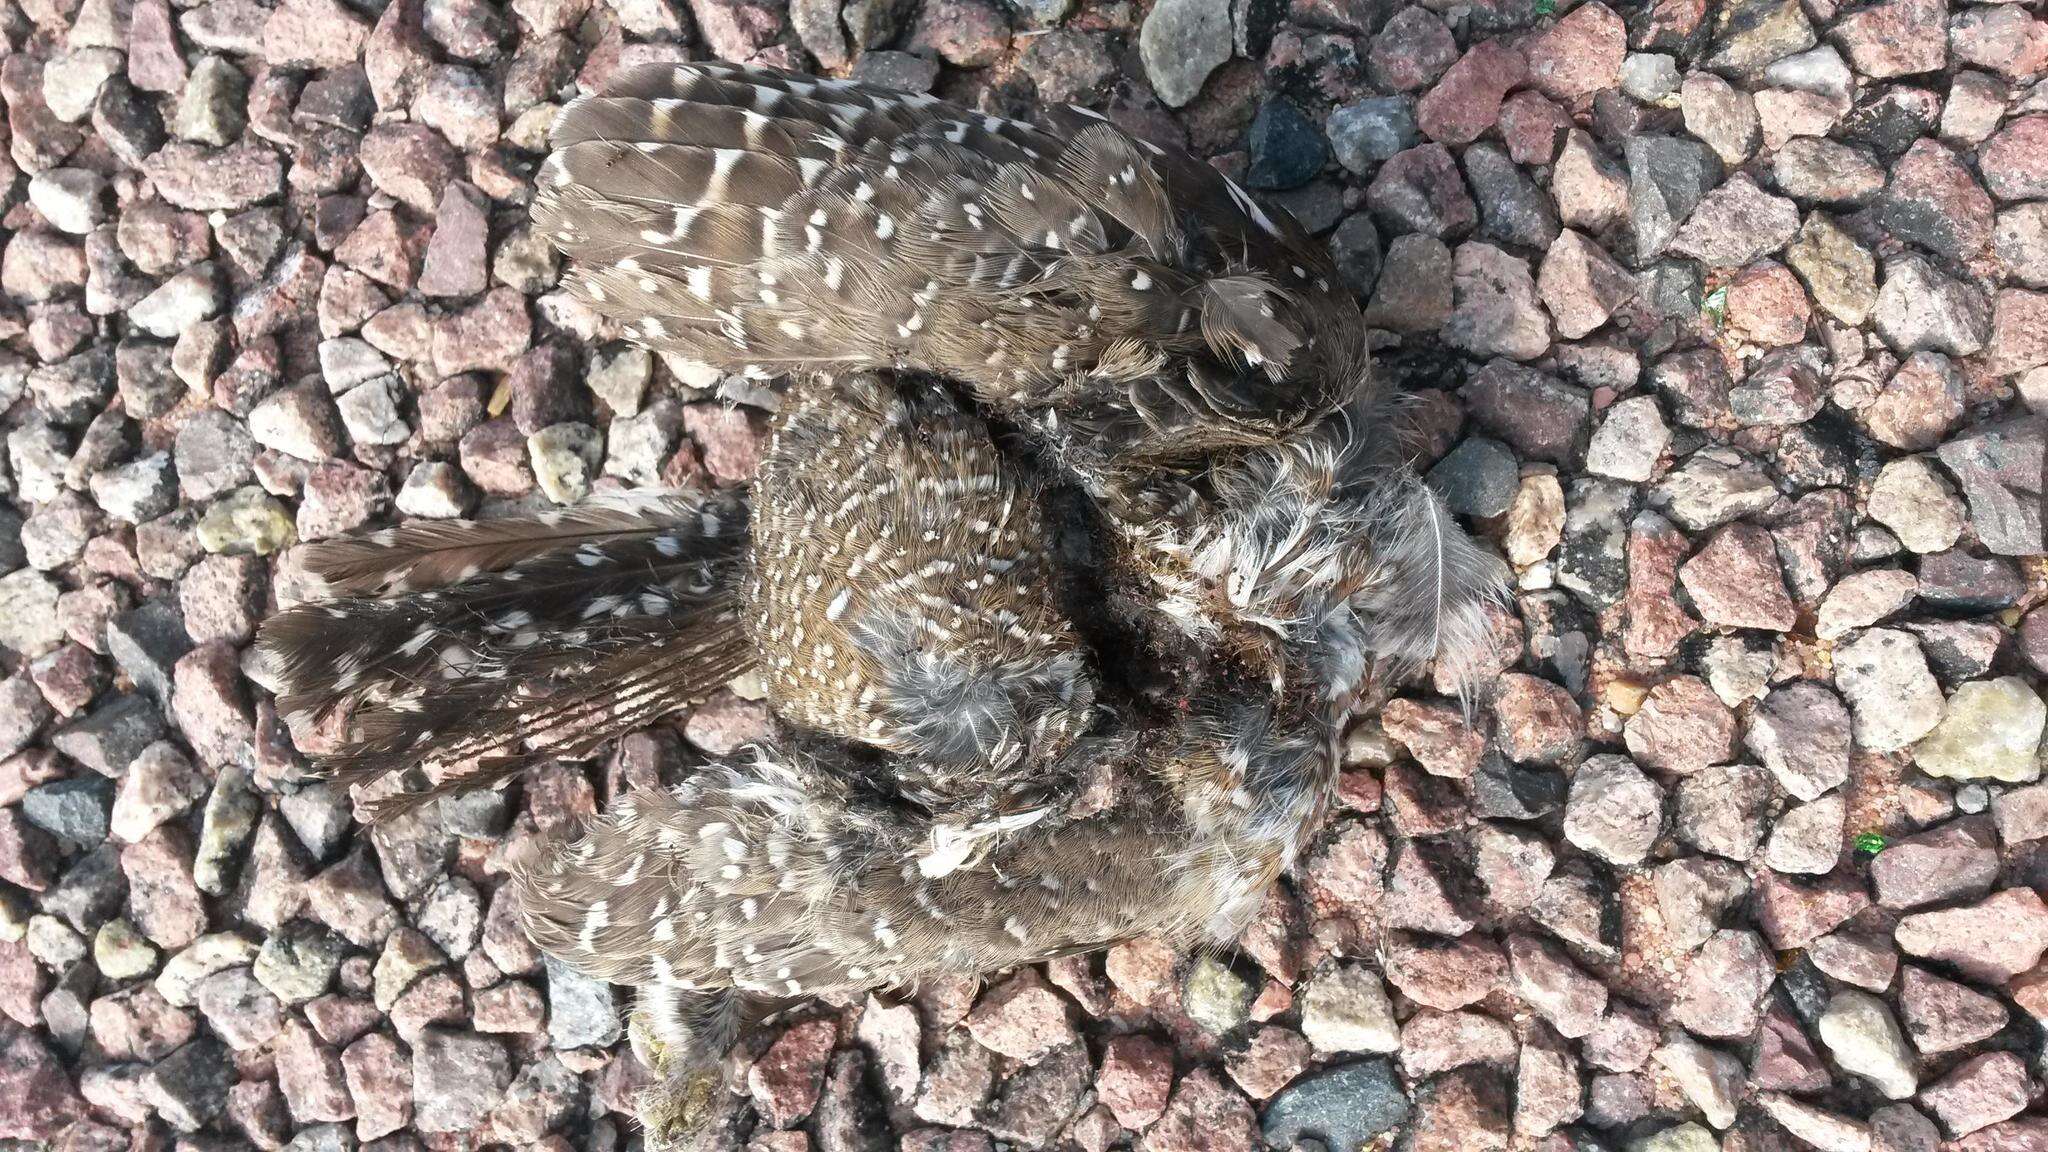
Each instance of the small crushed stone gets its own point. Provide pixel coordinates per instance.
(1730, 323)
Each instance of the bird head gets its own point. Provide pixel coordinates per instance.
(1329, 542)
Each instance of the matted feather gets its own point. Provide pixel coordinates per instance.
(769, 875)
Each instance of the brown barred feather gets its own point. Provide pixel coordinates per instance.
(903, 597)
(431, 554)
(1106, 168)
(764, 222)
(893, 575)
(478, 733)
(459, 641)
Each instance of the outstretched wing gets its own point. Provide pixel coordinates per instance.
(771, 878)
(762, 221)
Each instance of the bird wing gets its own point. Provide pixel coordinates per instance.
(767, 222)
(770, 877)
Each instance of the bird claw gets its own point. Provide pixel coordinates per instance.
(675, 1112)
(649, 1050)
(682, 1103)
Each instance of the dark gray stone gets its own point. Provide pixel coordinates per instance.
(1355, 246)
(897, 71)
(12, 554)
(91, 892)
(1344, 1107)
(146, 642)
(75, 811)
(1505, 791)
(1512, 209)
(1672, 288)
(873, 23)
(2000, 469)
(1365, 134)
(1892, 120)
(189, 1088)
(481, 815)
(1478, 478)
(112, 735)
(1668, 176)
(1287, 150)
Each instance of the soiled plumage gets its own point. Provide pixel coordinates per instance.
(1083, 468)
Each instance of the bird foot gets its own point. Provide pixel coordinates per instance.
(682, 1104)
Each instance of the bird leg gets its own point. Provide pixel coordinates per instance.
(682, 1038)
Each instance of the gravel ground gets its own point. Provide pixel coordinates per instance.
(1729, 308)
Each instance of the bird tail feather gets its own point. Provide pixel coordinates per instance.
(468, 649)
